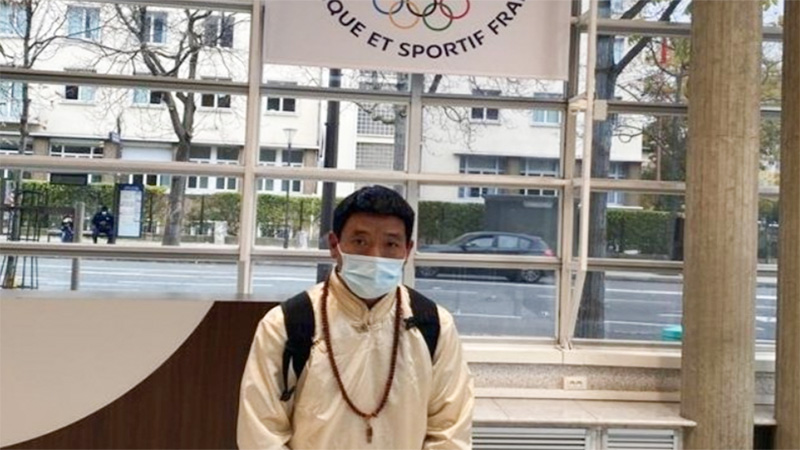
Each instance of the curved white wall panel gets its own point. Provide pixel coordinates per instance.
(61, 360)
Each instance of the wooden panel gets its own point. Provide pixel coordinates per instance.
(191, 401)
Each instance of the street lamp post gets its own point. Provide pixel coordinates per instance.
(289, 134)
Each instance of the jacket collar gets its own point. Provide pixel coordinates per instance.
(353, 306)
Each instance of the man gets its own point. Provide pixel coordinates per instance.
(368, 382)
(103, 223)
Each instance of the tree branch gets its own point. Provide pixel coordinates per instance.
(617, 68)
(635, 9)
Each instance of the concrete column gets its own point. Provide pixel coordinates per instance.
(787, 365)
(718, 374)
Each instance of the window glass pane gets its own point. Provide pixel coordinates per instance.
(289, 104)
(446, 225)
(207, 100)
(273, 104)
(224, 101)
(71, 92)
(648, 227)
(228, 154)
(267, 155)
(200, 152)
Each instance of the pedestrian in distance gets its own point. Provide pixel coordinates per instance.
(103, 223)
(358, 361)
(67, 229)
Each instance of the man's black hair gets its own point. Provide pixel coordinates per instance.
(373, 200)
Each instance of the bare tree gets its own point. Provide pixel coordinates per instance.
(197, 34)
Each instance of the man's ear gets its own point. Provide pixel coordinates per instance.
(409, 248)
(333, 245)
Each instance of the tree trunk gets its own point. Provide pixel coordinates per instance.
(591, 315)
(177, 195)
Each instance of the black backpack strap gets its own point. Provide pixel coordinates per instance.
(426, 319)
(298, 318)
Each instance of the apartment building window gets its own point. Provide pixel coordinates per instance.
(482, 114)
(215, 101)
(619, 48)
(82, 151)
(227, 155)
(83, 22)
(77, 93)
(218, 31)
(617, 172)
(374, 156)
(286, 158)
(10, 101)
(155, 27)
(546, 117)
(13, 19)
(143, 96)
(480, 165)
(376, 120)
(150, 179)
(203, 154)
(540, 167)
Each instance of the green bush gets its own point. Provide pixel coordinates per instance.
(441, 222)
(648, 232)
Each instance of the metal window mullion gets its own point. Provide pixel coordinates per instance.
(104, 165)
(336, 94)
(588, 123)
(414, 163)
(143, 252)
(247, 218)
(492, 102)
(35, 76)
(243, 6)
(629, 27)
(567, 225)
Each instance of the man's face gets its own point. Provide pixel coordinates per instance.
(371, 235)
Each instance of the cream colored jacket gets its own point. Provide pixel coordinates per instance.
(429, 407)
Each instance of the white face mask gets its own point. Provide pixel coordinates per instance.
(371, 277)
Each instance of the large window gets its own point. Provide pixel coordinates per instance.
(218, 31)
(155, 27)
(212, 155)
(13, 19)
(280, 157)
(540, 167)
(375, 120)
(483, 114)
(490, 187)
(480, 165)
(10, 101)
(78, 150)
(83, 22)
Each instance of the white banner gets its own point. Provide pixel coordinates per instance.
(508, 38)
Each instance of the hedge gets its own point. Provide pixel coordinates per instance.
(646, 232)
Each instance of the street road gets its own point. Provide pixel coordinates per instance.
(638, 306)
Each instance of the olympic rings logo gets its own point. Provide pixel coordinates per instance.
(427, 15)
